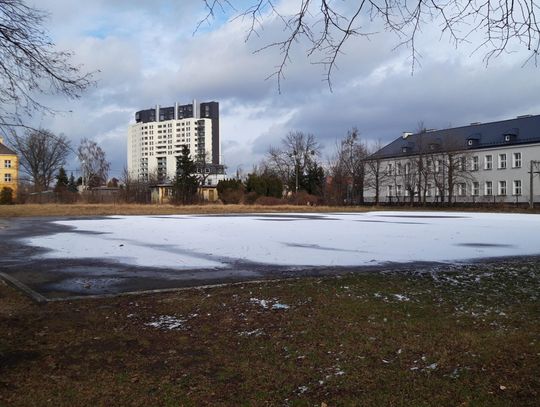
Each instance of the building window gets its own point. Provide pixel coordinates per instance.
(398, 169)
(437, 166)
(7, 163)
(389, 169)
(488, 162)
(7, 177)
(398, 190)
(461, 164)
(474, 165)
(407, 168)
(516, 160)
(502, 161)
(461, 189)
(428, 190)
(502, 187)
(475, 188)
(389, 190)
(488, 188)
(517, 187)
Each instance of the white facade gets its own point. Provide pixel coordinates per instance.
(493, 174)
(154, 146)
(480, 162)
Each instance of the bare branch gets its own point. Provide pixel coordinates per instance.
(326, 26)
(30, 65)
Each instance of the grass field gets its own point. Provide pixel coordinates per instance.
(28, 210)
(134, 209)
(458, 336)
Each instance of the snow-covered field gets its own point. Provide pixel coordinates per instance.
(329, 239)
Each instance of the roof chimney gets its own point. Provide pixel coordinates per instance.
(406, 134)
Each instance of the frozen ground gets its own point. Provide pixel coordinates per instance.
(312, 240)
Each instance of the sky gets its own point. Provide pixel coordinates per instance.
(146, 53)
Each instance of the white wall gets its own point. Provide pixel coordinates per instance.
(482, 176)
(148, 141)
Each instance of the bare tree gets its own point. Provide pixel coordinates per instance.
(31, 66)
(291, 160)
(376, 175)
(41, 155)
(203, 167)
(450, 168)
(348, 167)
(94, 165)
(326, 26)
(135, 190)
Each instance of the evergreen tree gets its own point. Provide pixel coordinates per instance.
(61, 180)
(313, 180)
(264, 185)
(185, 183)
(72, 184)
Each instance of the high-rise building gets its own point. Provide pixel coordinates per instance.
(159, 134)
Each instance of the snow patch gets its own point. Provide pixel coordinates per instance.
(195, 242)
(167, 322)
(272, 304)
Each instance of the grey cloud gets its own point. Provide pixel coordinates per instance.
(147, 56)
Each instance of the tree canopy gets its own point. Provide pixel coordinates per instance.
(41, 153)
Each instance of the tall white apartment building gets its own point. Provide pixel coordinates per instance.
(158, 136)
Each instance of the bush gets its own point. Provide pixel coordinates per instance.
(303, 198)
(231, 196)
(6, 196)
(230, 191)
(269, 201)
(250, 197)
(264, 185)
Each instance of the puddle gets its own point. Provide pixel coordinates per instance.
(84, 285)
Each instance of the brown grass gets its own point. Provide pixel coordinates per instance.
(40, 210)
(135, 209)
(467, 338)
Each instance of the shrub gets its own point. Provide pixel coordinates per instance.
(264, 185)
(250, 197)
(303, 198)
(231, 191)
(6, 196)
(231, 196)
(269, 201)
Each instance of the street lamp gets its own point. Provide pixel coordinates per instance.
(296, 166)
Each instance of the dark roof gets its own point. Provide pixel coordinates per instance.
(521, 130)
(5, 150)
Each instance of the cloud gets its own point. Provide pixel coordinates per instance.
(147, 54)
